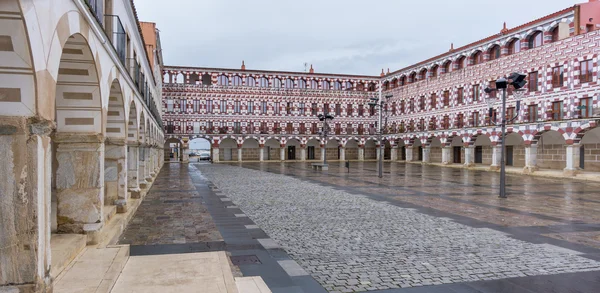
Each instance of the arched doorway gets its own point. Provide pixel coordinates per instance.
(228, 150)
(78, 145)
(458, 153)
(292, 149)
(250, 149)
(351, 149)
(435, 151)
(387, 152)
(589, 150)
(200, 149)
(332, 149)
(173, 148)
(417, 150)
(312, 146)
(483, 150)
(271, 150)
(551, 150)
(370, 149)
(515, 150)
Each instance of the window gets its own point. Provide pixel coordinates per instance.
(264, 82)
(459, 121)
(411, 105)
(289, 107)
(349, 110)
(494, 52)
(532, 113)
(557, 77)
(236, 127)
(338, 109)
(209, 106)
(250, 81)
(514, 46)
(169, 126)
(289, 128)
(422, 125)
(535, 40)
(250, 107)
(585, 71)
(277, 83)
(554, 33)
(402, 80)
(372, 87)
(223, 106)
(447, 66)
(533, 81)
(325, 108)
(314, 109)
(361, 110)
(337, 85)
(492, 85)
(402, 109)
(301, 83)
(183, 106)
(434, 71)
(313, 128)
(459, 95)
(197, 106)
(348, 86)
(423, 74)
(446, 98)
(236, 107)
(446, 122)
(412, 77)
(263, 107)
(475, 92)
(210, 127)
(196, 126)
(237, 81)
(314, 84)
(461, 62)
(223, 80)
(422, 103)
(394, 108)
(477, 58)
(557, 110)
(276, 108)
(585, 108)
(394, 83)
(371, 110)
(433, 123)
(325, 85)
(510, 113)
(492, 118)
(475, 117)
(302, 110)
(433, 101)
(289, 83)
(169, 106)
(360, 86)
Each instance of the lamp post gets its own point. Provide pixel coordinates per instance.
(380, 103)
(517, 80)
(325, 118)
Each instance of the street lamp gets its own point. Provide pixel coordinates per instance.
(325, 118)
(517, 80)
(380, 103)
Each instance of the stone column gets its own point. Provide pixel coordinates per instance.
(25, 204)
(572, 155)
(185, 155)
(133, 166)
(426, 154)
(303, 153)
(239, 150)
(261, 153)
(148, 165)
(323, 150)
(143, 155)
(446, 155)
(80, 183)
(282, 152)
(496, 154)
(409, 153)
(115, 174)
(157, 166)
(377, 151)
(361, 152)
(394, 154)
(151, 154)
(215, 154)
(530, 159)
(469, 156)
(342, 154)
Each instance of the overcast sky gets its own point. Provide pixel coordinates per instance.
(337, 36)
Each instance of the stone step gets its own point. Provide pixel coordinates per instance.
(109, 212)
(251, 285)
(64, 249)
(94, 270)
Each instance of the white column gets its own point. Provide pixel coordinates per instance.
(446, 155)
(322, 153)
(409, 153)
(282, 153)
(496, 153)
(115, 174)
(342, 154)
(261, 153)
(133, 166)
(215, 154)
(361, 153)
(469, 156)
(394, 154)
(377, 151)
(530, 159)
(426, 154)
(572, 154)
(185, 153)
(303, 153)
(239, 150)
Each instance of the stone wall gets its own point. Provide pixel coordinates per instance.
(487, 155)
(518, 156)
(251, 154)
(275, 154)
(351, 153)
(370, 153)
(331, 153)
(592, 157)
(551, 156)
(435, 155)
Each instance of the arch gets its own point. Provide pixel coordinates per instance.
(554, 34)
(461, 62)
(272, 149)
(351, 149)
(447, 66)
(132, 124)
(551, 151)
(78, 97)
(251, 149)
(223, 80)
(477, 57)
(250, 81)
(237, 80)
(194, 78)
(423, 74)
(394, 83)
(115, 116)
(314, 84)
(206, 79)
(494, 52)
(314, 142)
(173, 147)
(372, 87)
(589, 146)
(360, 86)
(337, 85)
(535, 39)
(325, 84)
(142, 128)
(277, 83)
(412, 77)
(293, 142)
(302, 83)
(403, 80)
(289, 83)
(348, 85)
(455, 141)
(435, 70)
(332, 143)
(228, 149)
(263, 82)
(514, 46)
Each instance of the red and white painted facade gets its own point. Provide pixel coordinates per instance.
(437, 113)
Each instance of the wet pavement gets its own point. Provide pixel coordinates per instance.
(186, 212)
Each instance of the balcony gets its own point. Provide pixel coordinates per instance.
(116, 34)
(97, 9)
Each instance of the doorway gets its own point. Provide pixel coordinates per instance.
(420, 153)
(311, 152)
(291, 152)
(509, 155)
(457, 158)
(479, 155)
(403, 153)
(582, 157)
(227, 156)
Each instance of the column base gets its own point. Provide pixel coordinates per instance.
(467, 165)
(494, 168)
(121, 206)
(137, 193)
(570, 172)
(149, 179)
(529, 170)
(144, 185)
(93, 233)
(445, 163)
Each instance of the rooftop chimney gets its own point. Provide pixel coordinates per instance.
(243, 65)
(504, 30)
(311, 69)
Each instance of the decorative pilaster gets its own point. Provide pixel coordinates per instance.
(572, 155)
(133, 166)
(394, 154)
(239, 153)
(530, 159)
(282, 152)
(261, 153)
(409, 153)
(446, 155)
(342, 154)
(115, 173)
(426, 154)
(496, 154)
(361, 152)
(303, 153)
(469, 156)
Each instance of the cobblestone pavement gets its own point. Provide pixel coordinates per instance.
(171, 213)
(350, 242)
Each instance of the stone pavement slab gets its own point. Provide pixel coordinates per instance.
(206, 272)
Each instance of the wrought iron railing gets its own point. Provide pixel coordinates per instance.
(97, 9)
(117, 36)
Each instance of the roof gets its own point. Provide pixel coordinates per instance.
(271, 72)
(506, 32)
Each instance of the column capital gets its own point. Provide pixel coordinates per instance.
(115, 141)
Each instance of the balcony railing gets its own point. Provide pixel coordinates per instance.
(97, 9)
(116, 34)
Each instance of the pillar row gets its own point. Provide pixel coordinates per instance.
(572, 155)
(133, 166)
(394, 154)
(409, 153)
(496, 154)
(530, 159)
(469, 156)
(446, 155)
(115, 173)
(426, 154)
